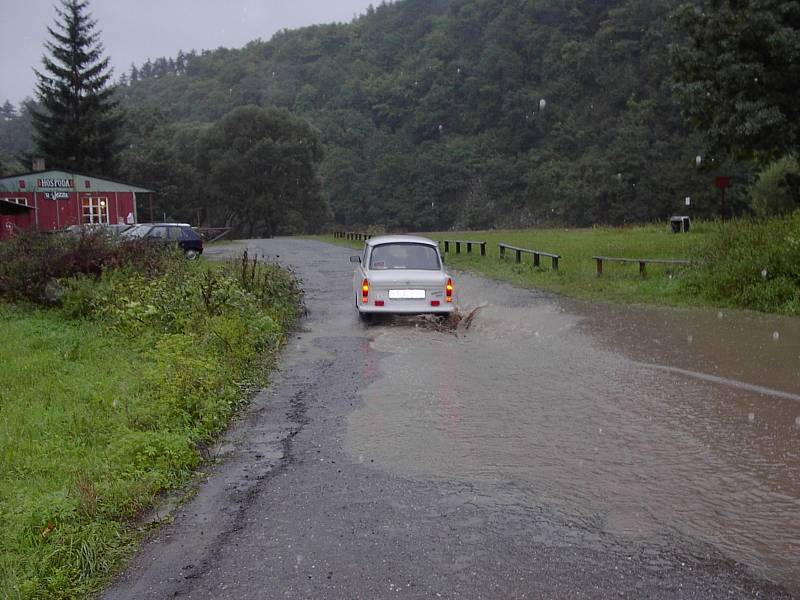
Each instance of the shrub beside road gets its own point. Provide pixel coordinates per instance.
(110, 393)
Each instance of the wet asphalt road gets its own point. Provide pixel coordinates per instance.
(295, 509)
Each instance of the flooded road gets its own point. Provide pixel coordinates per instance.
(555, 449)
(642, 423)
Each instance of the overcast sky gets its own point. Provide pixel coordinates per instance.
(134, 30)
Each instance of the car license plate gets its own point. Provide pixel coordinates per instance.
(406, 294)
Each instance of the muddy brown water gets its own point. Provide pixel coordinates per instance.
(640, 422)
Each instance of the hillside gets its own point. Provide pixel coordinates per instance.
(445, 113)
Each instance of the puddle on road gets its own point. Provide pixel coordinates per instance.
(571, 406)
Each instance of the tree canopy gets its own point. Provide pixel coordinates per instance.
(737, 71)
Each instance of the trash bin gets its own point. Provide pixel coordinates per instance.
(680, 224)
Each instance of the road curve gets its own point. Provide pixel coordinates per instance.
(296, 508)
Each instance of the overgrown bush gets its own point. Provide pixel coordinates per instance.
(31, 262)
(774, 193)
(201, 325)
(752, 264)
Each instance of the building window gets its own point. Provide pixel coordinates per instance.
(95, 210)
(22, 201)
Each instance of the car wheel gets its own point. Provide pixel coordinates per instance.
(191, 254)
(365, 317)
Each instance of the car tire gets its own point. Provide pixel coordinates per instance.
(191, 254)
(364, 317)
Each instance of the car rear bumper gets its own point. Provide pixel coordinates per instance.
(406, 308)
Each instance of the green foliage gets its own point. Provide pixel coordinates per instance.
(737, 72)
(172, 352)
(79, 121)
(260, 166)
(752, 264)
(775, 192)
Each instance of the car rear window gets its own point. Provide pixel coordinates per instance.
(404, 256)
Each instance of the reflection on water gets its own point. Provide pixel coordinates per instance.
(644, 420)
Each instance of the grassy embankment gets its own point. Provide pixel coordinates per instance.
(108, 399)
(739, 264)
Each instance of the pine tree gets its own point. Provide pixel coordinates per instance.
(77, 128)
(7, 111)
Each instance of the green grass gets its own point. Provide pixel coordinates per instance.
(107, 401)
(65, 445)
(576, 276)
(738, 264)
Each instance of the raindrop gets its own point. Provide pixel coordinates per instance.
(763, 273)
(698, 160)
(441, 127)
(751, 417)
(720, 315)
(542, 104)
(776, 336)
(690, 338)
(756, 79)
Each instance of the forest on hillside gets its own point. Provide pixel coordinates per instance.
(428, 115)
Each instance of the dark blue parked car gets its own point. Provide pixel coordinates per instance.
(181, 234)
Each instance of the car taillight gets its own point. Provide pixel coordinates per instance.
(448, 291)
(365, 291)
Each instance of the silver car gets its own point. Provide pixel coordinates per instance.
(401, 274)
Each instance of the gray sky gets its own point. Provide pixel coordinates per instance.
(134, 30)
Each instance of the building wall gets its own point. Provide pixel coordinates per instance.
(50, 215)
(59, 199)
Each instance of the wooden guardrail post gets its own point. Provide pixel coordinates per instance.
(642, 262)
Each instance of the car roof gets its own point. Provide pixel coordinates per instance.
(400, 239)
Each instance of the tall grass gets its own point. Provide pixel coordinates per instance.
(107, 399)
(751, 264)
